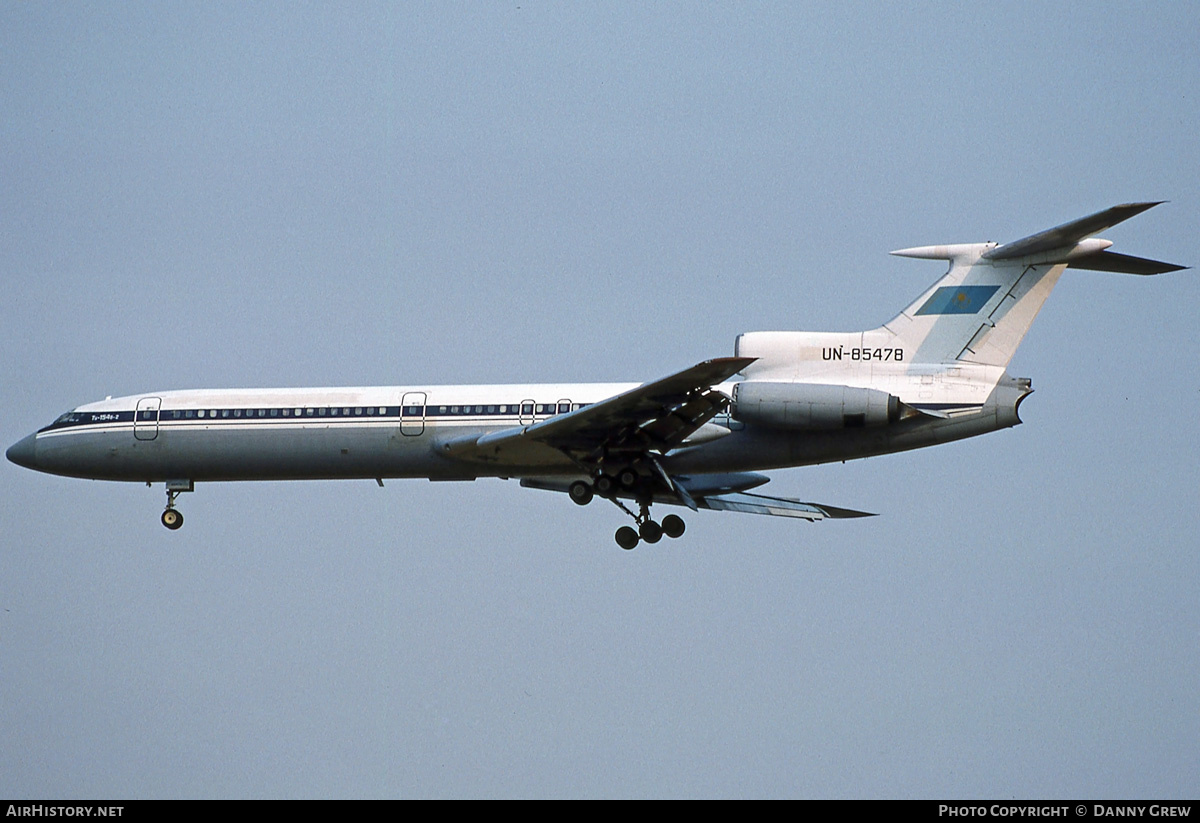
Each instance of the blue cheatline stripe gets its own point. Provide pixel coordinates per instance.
(958, 300)
(311, 414)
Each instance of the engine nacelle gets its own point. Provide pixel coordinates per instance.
(812, 406)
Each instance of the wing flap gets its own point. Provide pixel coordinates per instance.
(776, 506)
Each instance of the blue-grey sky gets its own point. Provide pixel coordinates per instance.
(203, 195)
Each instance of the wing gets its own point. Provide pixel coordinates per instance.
(652, 418)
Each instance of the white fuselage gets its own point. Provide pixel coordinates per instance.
(395, 432)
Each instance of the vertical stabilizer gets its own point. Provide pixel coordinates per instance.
(978, 312)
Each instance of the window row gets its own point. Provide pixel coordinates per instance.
(503, 408)
(323, 411)
(529, 409)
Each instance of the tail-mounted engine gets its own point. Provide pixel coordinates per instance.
(812, 406)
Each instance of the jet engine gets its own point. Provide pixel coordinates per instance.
(813, 406)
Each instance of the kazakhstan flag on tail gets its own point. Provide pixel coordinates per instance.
(958, 300)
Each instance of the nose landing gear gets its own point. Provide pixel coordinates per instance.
(172, 518)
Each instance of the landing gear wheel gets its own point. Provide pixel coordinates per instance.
(172, 519)
(604, 485)
(580, 492)
(650, 531)
(627, 538)
(627, 478)
(673, 526)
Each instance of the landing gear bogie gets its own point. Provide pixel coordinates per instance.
(627, 538)
(650, 531)
(581, 493)
(673, 526)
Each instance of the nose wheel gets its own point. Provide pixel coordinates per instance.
(172, 519)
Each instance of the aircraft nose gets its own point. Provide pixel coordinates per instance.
(24, 452)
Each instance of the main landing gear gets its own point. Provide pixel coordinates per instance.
(628, 480)
(172, 518)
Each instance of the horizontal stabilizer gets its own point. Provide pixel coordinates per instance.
(1068, 234)
(1124, 263)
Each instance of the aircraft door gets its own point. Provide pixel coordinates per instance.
(145, 418)
(526, 415)
(412, 413)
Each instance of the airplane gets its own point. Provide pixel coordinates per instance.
(698, 438)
